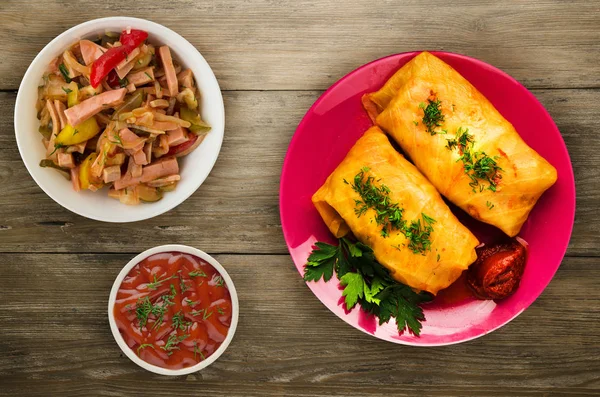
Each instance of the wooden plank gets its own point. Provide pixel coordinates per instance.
(56, 339)
(236, 209)
(309, 44)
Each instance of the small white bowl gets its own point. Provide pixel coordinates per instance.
(235, 309)
(195, 167)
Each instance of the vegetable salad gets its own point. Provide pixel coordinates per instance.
(119, 112)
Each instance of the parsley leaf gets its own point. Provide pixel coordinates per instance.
(320, 263)
(402, 303)
(377, 285)
(354, 284)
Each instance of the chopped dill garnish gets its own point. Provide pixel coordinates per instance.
(202, 312)
(147, 74)
(117, 138)
(157, 283)
(198, 351)
(197, 273)
(432, 115)
(56, 147)
(182, 285)
(145, 308)
(419, 234)
(143, 346)
(477, 165)
(178, 321)
(67, 90)
(389, 215)
(172, 343)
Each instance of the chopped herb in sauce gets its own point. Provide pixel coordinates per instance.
(143, 346)
(197, 273)
(178, 321)
(157, 283)
(197, 350)
(172, 343)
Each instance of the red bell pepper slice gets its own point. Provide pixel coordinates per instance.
(133, 39)
(111, 58)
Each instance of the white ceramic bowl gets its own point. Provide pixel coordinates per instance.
(235, 309)
(195, 167)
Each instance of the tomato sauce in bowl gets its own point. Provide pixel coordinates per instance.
(173, 310)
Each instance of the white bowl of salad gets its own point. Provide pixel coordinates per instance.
(119, 119)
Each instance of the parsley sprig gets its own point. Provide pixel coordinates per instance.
(367, 283)
(478, 166)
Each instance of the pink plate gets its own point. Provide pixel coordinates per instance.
(334, 123)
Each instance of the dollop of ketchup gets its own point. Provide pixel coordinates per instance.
(497, 272)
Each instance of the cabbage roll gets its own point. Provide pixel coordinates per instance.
(386, 203)
(461, 143)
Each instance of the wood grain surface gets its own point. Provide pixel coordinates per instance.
(273, 59)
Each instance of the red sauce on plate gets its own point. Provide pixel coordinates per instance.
(173, 310)
(497, 272)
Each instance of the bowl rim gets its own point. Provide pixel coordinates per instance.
(186, 250)
(126, 21)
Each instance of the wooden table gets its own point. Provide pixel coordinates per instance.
(273, 59)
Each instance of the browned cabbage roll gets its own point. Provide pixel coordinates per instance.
(384, 176)
(461, 143)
